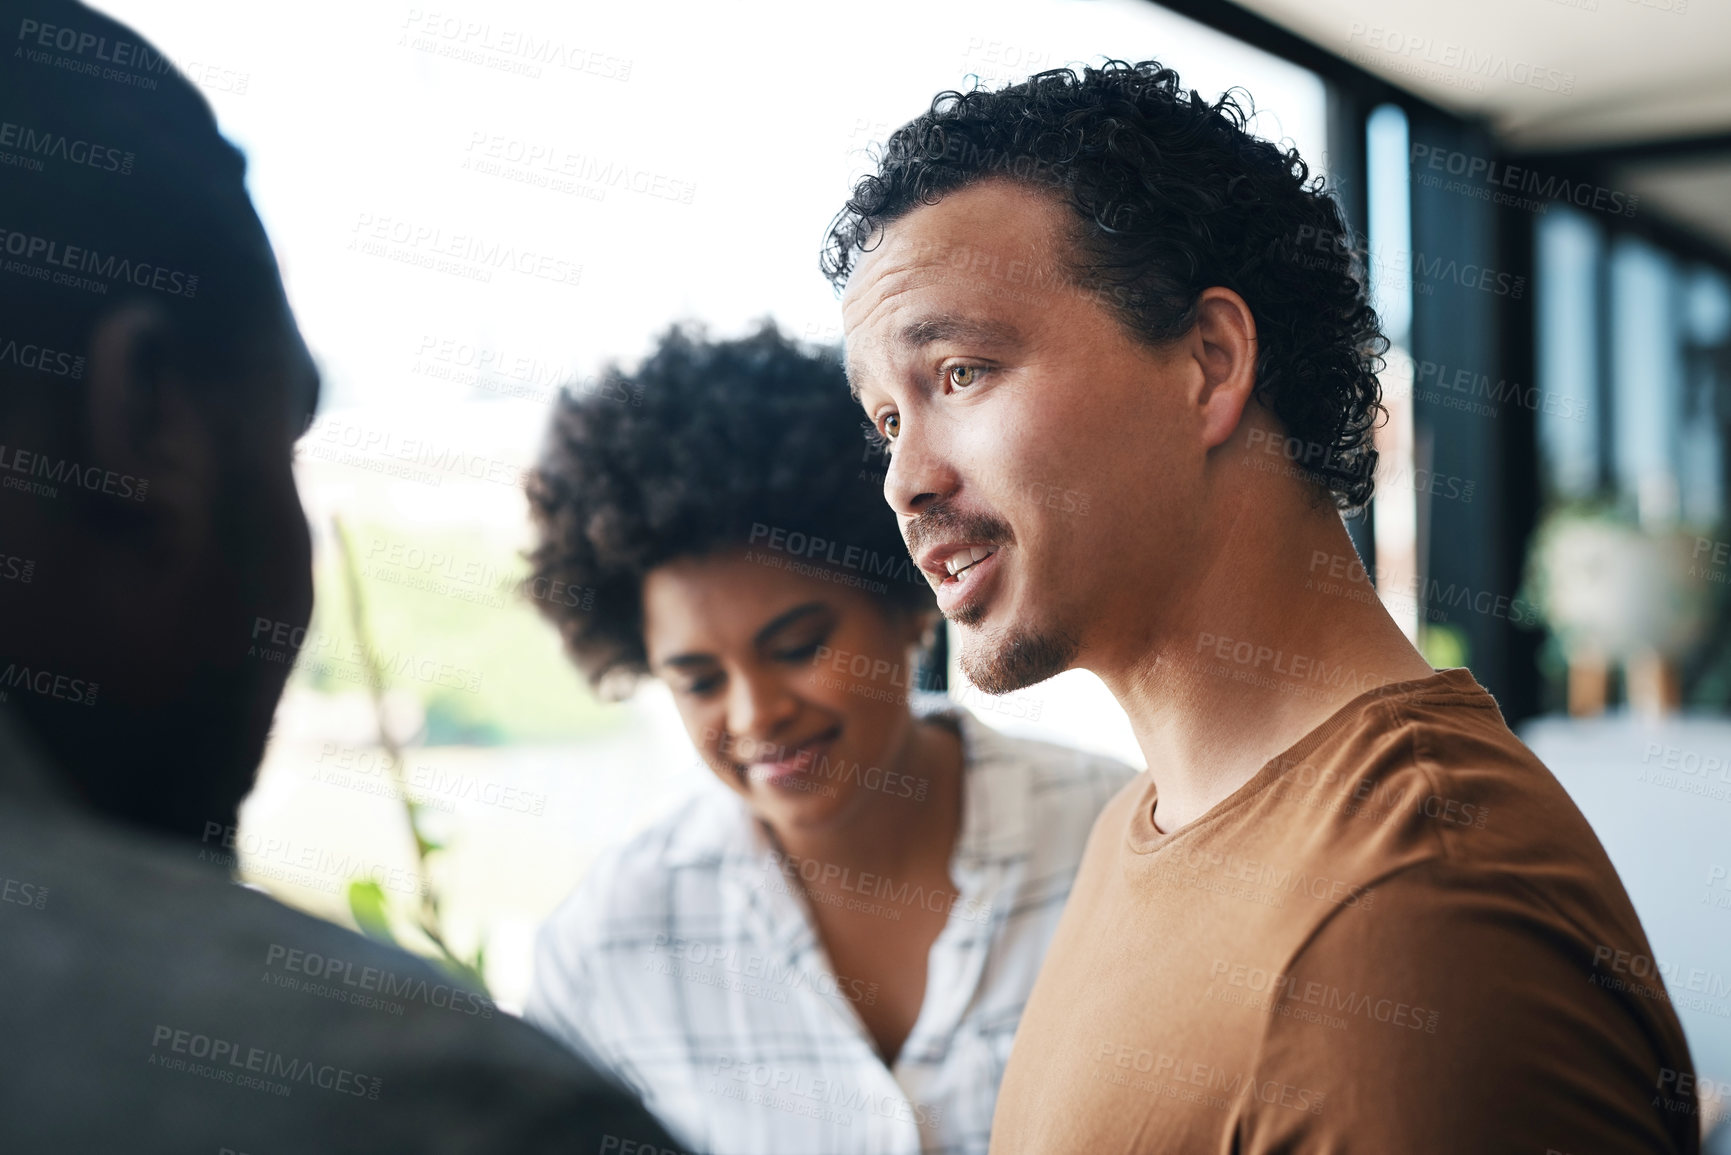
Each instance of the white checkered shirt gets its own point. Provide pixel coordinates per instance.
(688, 964)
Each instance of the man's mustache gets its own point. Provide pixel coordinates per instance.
(945, 523)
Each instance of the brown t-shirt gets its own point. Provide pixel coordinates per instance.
(1399, 937)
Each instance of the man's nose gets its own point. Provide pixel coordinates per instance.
(918, 473)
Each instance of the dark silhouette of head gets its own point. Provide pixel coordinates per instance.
(152, 386)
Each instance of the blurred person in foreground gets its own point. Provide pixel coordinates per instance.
(827, 948)
(1345, 910)
(152, 386)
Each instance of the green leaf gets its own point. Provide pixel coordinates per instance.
(425, 844)
(367, 904)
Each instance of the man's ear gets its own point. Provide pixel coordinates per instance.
(141, 419)
(1224, 345)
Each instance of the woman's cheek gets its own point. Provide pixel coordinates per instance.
(822, 684)
(709, 740)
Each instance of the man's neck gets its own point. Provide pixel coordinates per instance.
(1268, 640)
(25, 769)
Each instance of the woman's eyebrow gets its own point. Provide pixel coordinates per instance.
(783, 620)
(688, 661)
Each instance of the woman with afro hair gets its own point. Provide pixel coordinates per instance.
(828, 949)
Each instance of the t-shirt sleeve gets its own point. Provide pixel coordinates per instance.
(1456, 1015)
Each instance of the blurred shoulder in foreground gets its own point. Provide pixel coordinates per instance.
(152, 386)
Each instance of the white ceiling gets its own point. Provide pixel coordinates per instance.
(1693, 193)
(1638, 71)
(1634, 71)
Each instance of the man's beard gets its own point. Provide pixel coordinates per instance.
(178, 769)
(175, 743)
(1004, 661)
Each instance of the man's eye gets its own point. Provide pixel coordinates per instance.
(885, 431)
(962, 376)
(875, 438)
(703, 686)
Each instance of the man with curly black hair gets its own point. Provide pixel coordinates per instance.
(1122, 355)
(849, 917)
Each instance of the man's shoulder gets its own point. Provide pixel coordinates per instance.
(157, 987)
(1459, 980)
(1436, 767)
(1436, 779)
(131, 916)
(1446, 723)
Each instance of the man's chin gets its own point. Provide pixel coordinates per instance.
(1006, 660)
(182, 770)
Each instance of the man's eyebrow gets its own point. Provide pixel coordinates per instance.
(916, 335)
(953, 327)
